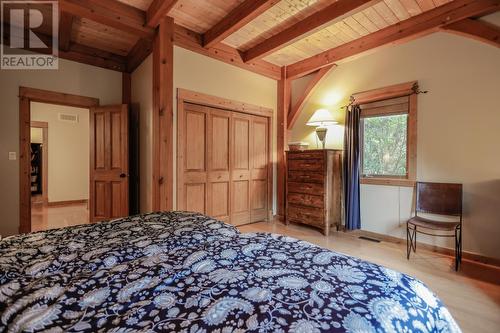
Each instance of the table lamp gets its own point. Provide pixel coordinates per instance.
(321, 119)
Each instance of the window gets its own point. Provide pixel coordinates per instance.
(388, 135)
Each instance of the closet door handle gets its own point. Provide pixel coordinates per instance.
(123, 175)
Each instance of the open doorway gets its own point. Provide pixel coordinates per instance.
(107, 178)
(59, 175)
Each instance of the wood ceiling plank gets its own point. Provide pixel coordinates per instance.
(336, 11)
(157, 10)
(426, 5)
(118, 17)
(236, 19)
(411, 7)
(404, 31)
(191, 40)
(477, 30)
(386, 13)
(398, 9)
(374, 16)
(366, 22)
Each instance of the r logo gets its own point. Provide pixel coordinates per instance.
(29, 26)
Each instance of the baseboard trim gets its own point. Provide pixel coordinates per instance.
(433, 248)
(67, 203)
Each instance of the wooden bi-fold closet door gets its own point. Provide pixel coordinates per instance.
(223, 164)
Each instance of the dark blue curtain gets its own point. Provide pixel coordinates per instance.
(351, 168)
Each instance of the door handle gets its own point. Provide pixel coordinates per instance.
(123, 175)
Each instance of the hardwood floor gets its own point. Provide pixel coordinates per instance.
(44, 217)
(472, 295)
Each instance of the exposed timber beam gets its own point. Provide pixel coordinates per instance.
(337, 11)
(65, 27)
(315, 81)
(163, 115)
(191, 40)
(477, 30)
(401, 32)
(111, 13)
(157, 10)
(139, 52)
(283, 107)
(235, 20)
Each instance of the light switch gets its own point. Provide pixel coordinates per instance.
(12, 156)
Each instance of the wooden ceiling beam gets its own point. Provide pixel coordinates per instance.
(65, 27)
(192, 41)
(139, 52)
(111, 13)
(294, 113)
(398, 33)
(157, 10)
(477, 30)
(335, 12)
(235, 20)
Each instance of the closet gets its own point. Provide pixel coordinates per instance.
(223, 166)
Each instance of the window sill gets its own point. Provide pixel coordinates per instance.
(387, 181)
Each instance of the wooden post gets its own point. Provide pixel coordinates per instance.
(163, 97)
(284, 91)
(126, 88)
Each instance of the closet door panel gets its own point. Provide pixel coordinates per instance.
(259, 168)
(219, 186)
(193, 187)
(241, 186)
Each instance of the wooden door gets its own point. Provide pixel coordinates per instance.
(192, 187)
(219, 164)
(259, 163)
(109, 170)
(240, 178)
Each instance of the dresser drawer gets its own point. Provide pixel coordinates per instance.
(314, 201)
(310, 165)
(306, 177)
(306, 155)
(311, 216)
(306, 188)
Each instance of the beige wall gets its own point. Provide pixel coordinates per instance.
(458, 129)
(73, 78)
(201, 74)
(68, 147)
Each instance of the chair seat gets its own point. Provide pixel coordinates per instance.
(418, 221)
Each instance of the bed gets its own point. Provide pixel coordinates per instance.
(185, 272)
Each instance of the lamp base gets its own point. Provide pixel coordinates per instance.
(321, 133)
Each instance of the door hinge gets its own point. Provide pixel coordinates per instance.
(160, 181)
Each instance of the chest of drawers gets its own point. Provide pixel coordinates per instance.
(313, 188)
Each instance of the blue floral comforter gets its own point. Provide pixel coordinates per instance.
(184, 272)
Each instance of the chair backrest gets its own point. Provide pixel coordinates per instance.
(439, 198)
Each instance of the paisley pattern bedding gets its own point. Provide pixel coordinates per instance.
(184, 272)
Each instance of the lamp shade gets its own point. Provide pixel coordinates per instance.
(321, 117)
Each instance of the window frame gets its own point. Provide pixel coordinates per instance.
(400, 90)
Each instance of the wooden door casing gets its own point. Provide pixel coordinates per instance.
(109, 162)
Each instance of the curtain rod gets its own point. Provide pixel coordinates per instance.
(415, 91)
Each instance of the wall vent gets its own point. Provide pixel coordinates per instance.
(68, 118)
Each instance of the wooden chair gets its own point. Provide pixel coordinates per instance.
(438, 199)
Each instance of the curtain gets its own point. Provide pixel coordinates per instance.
(351, 168)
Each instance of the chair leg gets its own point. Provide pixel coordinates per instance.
(458, 248)
(407, 242)
(415, 239)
